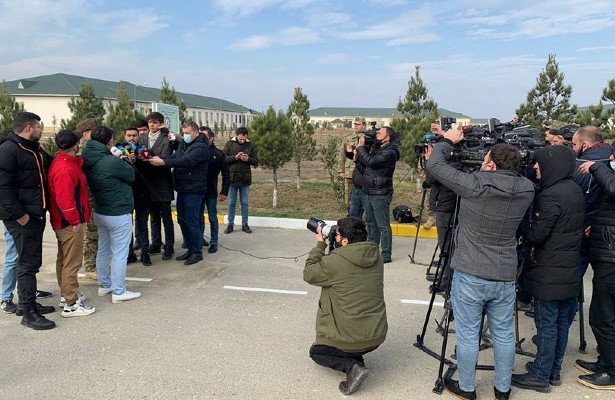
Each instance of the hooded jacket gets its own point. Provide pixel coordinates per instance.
(240, 171)
(556, 228)
(68, 192)
(602, 234)
(109, 179)
(591, 189)
(351, 312)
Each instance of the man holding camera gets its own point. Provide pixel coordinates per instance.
(493, 202)
(353, 185)
(378, 187)
(351, 319)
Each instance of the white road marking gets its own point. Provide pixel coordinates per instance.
(422, 302)
(251, 289)
(128, 278)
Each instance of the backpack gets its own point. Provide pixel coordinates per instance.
(403, 214)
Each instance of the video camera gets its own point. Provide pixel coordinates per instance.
(370, 135)
(328, 231)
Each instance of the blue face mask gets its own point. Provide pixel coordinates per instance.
(187, 138)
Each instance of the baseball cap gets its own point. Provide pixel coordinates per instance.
(67, 139)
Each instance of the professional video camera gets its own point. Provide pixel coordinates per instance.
(328, 231)
(370, 135)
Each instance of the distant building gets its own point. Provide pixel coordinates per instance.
(48, 96)
(381, 116)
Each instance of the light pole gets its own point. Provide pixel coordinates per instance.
(135, 93)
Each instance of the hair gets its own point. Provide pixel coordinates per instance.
(141, 123)
(193, 126)
(242, 130)
(353, 229)
(207, 131)
(590, 134)
(131, 128)
(101, 134)
(506, 157)
(24, 119)
(155, 116)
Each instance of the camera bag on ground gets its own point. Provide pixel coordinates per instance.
(403, 214)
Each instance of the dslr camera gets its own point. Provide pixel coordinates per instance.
(328, 231)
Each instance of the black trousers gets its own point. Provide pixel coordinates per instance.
(162, 210)
(337, 359)
(444, 224)
(142, 212)
(29, 244)
(602, 314)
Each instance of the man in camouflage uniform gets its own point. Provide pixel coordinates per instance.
(346, 167)
(90, 245)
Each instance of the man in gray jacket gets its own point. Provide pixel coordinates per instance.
(493, 202)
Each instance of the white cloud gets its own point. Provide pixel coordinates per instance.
(334, 58)
(597, 48)
(251, 43)
(244, 8)
(291, 36)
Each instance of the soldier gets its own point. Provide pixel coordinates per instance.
(352, 193)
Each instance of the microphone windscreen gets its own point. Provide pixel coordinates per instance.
(116, 152)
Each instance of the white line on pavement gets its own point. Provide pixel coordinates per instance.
(128, 278)
(422, 302)
(250, 289)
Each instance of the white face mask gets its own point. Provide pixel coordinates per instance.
(187, 138)
(612, 165)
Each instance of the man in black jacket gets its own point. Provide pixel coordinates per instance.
(378, 187)
(190, 171)
(552, 276)
(23, 205)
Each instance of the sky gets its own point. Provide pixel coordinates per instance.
(477, 57)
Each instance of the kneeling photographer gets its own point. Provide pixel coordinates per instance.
(493, 202)
(351, 319)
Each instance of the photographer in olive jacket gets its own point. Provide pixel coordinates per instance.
(351, 319)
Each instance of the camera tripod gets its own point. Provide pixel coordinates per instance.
(418, 227)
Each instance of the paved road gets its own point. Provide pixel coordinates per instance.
(189, 337)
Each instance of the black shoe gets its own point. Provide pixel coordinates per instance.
(184, 245)
(137, 246)
(522, 306)
(132, 257)
(600, 381)
(41, 309)
(453, 387)
(193, 259)
(530, 312)
(246, 229)
(386, 260)
(587, 367)
(154, 249)
(184, 256)
(213, 248)
(229, 229)
(168, 253)
(355, 377)
(205, 243)
(501, 395)
(525, 381)
(430, 277)
(8, 306)
(40, 294)
(33, 319)
(145, 259)
(554, 380)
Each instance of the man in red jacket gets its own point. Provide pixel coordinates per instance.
(69, 210)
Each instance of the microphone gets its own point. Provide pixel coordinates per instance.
(116, 152)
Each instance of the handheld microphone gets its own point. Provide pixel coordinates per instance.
(116, 152)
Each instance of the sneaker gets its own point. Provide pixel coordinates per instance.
(354, 379)
(8, 306)
(40, 294)
(229, 229)
(80, 299)
(77, 310)
(127, 295)
(246, 229)
(453, 387)
(103, 291)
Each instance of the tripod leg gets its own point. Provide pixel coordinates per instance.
(418, 225)
(582, 342)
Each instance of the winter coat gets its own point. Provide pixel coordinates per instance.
(190, 162)
(159, 179)
(217, 165)
(379, 168)
(492, 205)
(241, 172)
(556, 228)
(602, 234)
(23, 178)
(68, 192)
(441, 198)
(351, 312)
(591, 189)
(109, 179)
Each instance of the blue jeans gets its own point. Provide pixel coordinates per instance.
(553, 320)
(244, 198)
(114, 234)
(212, 212)
(189, 206)
(356, 203)
(378, 217)
(9, 271)
(470, 296)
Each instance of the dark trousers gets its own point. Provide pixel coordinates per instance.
(602, 314)
(162, 210)
(29, 244)
(337, 359)
(189, 206)
(444, 237)
(211, 203)
(142, 212)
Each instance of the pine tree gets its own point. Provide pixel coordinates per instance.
(121, 115)
(8, 108)
(329, 156)
(87, 105)
(418, 112)
(168, 96)
(608, 94)
(271, 135)
(304, 145)
(549, 100)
